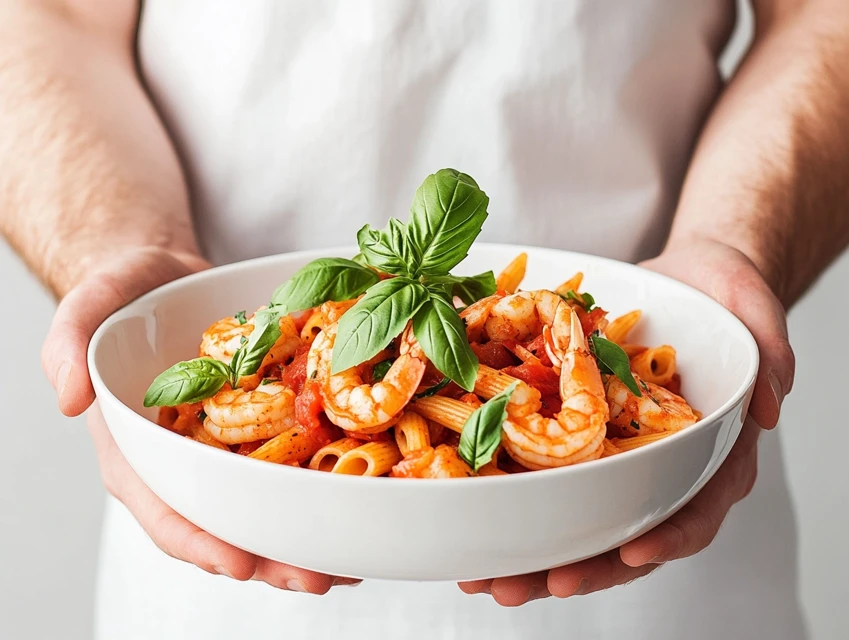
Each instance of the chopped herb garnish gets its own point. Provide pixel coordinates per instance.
(240, 316)
(269, 381)
(379, 371)
(635, 424)
(243, 341)
(434, 389)
(201, 415)
(314, 374)
(583, 299)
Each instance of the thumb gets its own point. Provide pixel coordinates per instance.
(85, 307)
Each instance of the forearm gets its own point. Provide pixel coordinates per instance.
(770, 175)
(86, 167)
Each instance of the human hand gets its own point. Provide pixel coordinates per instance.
(114, 284)
(734, 281)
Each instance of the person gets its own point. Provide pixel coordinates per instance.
(141, 143)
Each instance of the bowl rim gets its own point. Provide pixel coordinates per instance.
(102, 390)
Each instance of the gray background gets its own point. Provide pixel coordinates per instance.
(51, 497)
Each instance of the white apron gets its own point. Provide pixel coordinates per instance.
(300, 121)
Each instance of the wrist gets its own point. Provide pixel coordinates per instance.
(68, 264)
(754, 246)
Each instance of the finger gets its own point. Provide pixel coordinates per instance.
(79, 314)
(514, 591)
(182, 540)
(475, 586)
(695, 526)
(748, 296)
(594, 574)
(284, 576)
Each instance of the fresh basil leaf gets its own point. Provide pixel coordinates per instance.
(321, 280)
(240, 316)
(584, 299)
(187, 382)
(446, 216)
(432, 391)
(388, 250)
(442, 336)
(469, 289)
(360, 259)
(375, 320)
(379, 371)
(612, 359)
(249, 357)
(481, 434)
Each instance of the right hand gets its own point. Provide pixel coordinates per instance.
(115, 283)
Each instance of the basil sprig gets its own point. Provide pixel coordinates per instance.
(201, 378)
(324, 279)
(469, 289)
(613, 360)
(481, 434)
(187, 382)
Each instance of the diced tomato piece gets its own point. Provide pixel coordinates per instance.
(537, 347)
(493, 354)
(550, 406)
(309, 406)
(590, 321)
(249, 447)
(325, 433)
(471, 399)
(544, 379)
(294, 375)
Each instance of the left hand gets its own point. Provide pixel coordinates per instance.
(733, 280)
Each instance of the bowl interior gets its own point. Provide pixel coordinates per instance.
(717, 357)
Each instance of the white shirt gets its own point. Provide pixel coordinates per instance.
(298, 122)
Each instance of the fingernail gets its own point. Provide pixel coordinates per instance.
(62, 378)
(295, 585)
(220, 569)
(658, 559)
(583, 586)
(775, 386)
(346, 582)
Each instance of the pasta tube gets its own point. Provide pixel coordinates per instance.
(327, 457)
(370, 459)
(655, 365)
(617, 331)
(572, 284)
(411, 433)
(627, 444)
(290, 445)
(513, 274)
(445, 411)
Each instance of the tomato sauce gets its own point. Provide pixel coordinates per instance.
(493, 354)
(541, 378)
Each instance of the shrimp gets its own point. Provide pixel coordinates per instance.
(577, 432)
(224, 338)
(657, 411)
(234, 416)
(441, 462)
(358, 407)
(476, 315)
(521, 316)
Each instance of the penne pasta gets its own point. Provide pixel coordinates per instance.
(314, 324)
(632, 350)
(370, 459)
(290, 445)
(513, 274)
(627, 444)
(609, 449)
(572, 284)
(655, 365)
(326, 458)
(617, 331)
(197, 433)
(411, 433)
(450, 413)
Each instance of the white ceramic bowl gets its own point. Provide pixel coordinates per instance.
(426, 529)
